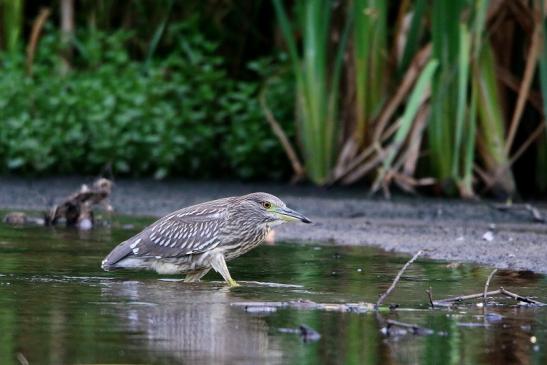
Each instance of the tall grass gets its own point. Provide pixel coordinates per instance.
(459, 50)
(369, 53)
(366, 75)
(411, 93)
(455, 135)
(491, 122)
(317, 77)
(446, 40)
(13, 24)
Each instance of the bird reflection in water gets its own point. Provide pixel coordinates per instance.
(191, 321)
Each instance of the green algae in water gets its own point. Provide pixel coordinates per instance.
(58, 307)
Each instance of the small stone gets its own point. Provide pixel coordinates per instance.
(488, 236)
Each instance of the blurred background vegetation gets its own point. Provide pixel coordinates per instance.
(440, 96)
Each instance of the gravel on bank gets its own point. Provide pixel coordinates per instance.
(446, 229)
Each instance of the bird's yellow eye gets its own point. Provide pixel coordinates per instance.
(267, 205)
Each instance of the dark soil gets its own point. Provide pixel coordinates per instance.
(446, 229)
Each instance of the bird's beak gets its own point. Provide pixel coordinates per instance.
(290, 215)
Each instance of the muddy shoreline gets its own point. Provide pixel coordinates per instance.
(445, 229)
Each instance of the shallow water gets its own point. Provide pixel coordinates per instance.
(58, 307)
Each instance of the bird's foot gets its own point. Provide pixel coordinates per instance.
(232, 283)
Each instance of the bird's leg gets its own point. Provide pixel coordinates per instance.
(196, 275)
(219, 264)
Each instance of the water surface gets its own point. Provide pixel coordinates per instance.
(58, 307)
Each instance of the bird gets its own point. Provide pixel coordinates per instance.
(196, 239)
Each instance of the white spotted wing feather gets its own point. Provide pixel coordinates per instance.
(188, 231)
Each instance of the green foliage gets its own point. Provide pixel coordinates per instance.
(178, 115)
(247, 143)
(370, 48)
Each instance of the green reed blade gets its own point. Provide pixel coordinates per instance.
(413, 104)
(461, 106)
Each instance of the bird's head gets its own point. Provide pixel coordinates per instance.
(267, 208)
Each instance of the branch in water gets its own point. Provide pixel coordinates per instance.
(484, 296)
(397, 278)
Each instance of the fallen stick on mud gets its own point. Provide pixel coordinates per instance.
(397, 278)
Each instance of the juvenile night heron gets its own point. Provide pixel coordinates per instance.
(193, 240)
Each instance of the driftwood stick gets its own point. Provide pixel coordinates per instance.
(466, 297)
(486, 285)
(500, 291)
(520, 298)
(397, 278)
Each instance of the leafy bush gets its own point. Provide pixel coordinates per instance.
(249, 146)
(175, 115)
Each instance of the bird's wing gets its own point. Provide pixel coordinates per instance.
(187, 231)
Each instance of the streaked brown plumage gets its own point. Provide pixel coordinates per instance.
(193, 240)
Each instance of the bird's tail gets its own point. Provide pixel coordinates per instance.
(116, 255)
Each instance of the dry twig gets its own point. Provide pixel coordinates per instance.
(397, 278)
(462, 298)
(486, 285)
(282, 137)
(521, 298)
(430, 296)
(500, 291)
(37, 27)
(526, 84)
